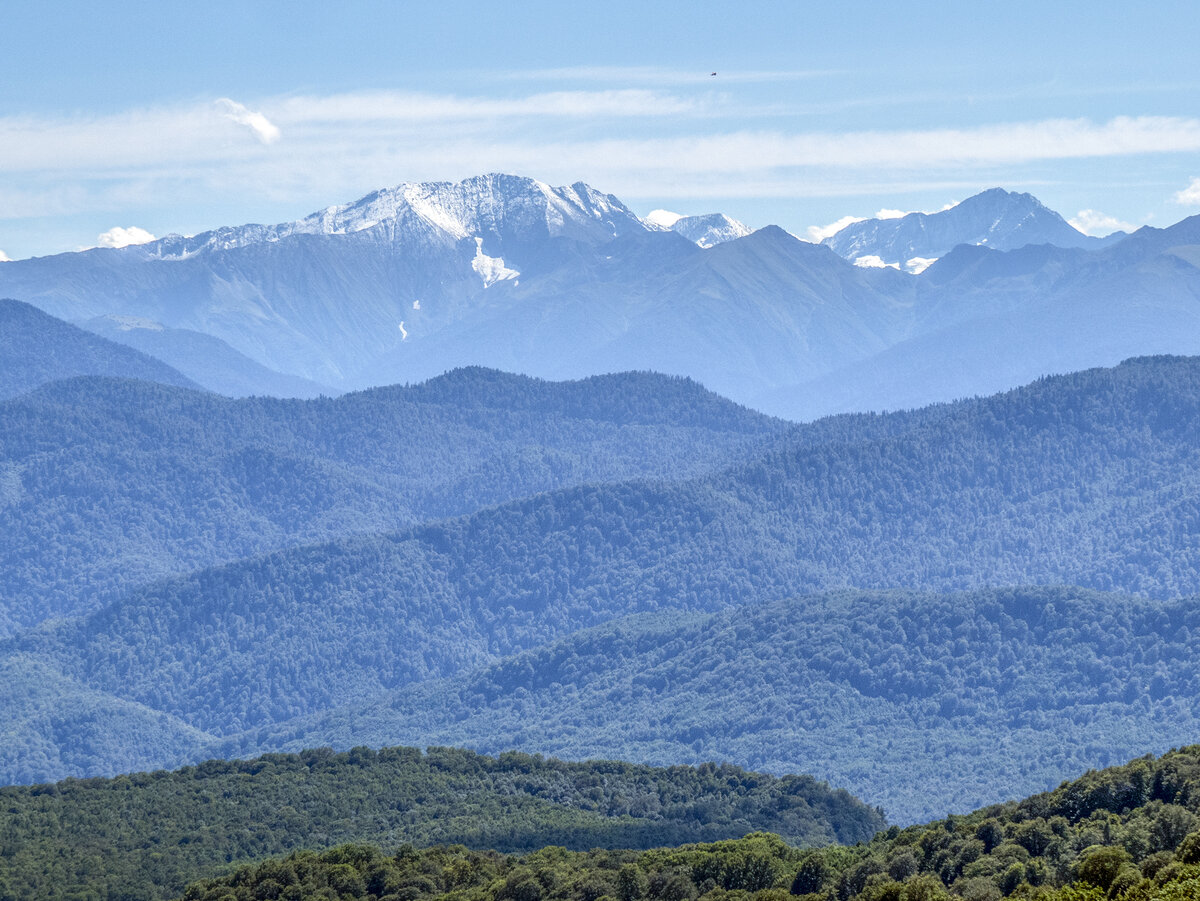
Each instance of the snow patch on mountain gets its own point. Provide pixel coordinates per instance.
(130, 323)
(490, 269)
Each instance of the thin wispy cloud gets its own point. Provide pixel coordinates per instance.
(262, 127)
(655, 75)
(371, 125)
(340, 146)
(413, 107)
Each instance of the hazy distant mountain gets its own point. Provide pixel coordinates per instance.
(206, 359)
(36, 349)
(999, 219)
(993, 319)
(765, 309)
(499, 271)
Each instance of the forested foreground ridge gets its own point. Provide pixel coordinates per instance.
(108, 484)
(924, 704)
(1125, 834)
(146, 835)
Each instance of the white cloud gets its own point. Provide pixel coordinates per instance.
(663, 218)
(264, 129)
(5, 258)
(874, 261)
(1093, 222)
(124, 237)
(891, 214)
(818, 233)
(1189, 196)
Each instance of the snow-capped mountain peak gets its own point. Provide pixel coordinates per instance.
(495, 207)
(710, 229)
(995, 218)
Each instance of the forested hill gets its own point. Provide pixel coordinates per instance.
(36, 348)
(144, 836)
(1091, 479)
(1131, 833)
(107, 484)
(923, 704)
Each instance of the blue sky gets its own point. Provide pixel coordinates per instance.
(165, 117)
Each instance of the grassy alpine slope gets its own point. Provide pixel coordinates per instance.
(147, 834)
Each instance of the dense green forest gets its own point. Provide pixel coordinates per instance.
(108, 484)
(1125, 834)
(37, 348)
(1092, 478)
(924, 704)
(145, 835)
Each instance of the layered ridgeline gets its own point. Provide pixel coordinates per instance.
(107, 484)
(922, 704)
(1126, 834)
(566, 282)
(1091, 479)
(146, 835)
(205, 359)
(36, 348)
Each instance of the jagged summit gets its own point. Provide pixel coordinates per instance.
(709, 230)
(996, 218)
(489, 207)
(706, 230)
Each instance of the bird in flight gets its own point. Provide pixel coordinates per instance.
(712, 73)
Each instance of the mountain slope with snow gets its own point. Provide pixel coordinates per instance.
(999, 219)
(565, 282)
(709, 230)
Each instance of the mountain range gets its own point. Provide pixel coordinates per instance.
(997, 219)
(1088, 479)
(113, 483)
(561, 283)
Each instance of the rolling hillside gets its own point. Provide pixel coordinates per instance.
(108, 484)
